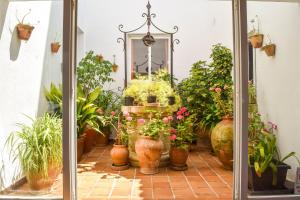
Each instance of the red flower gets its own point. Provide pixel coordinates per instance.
(187, 114)
(179, 117)
(166, 120)
(218, 90)
(179, 113)
(173, 137)
(113, 113)
(173, 130)
(183, 109)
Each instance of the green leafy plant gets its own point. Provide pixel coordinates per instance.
(163, 75)
(155, 127)
(93, 71)
(182, 132)
(263, 154)
(54, 98)
(223, 99)
(38, 145)
(86, 110)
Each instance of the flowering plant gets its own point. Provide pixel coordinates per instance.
(223, 98)
(155, 127)
(181, 133)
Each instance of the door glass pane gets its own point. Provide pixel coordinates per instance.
(273, 96)
(31, 98)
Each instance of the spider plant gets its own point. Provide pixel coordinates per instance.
(37, 146)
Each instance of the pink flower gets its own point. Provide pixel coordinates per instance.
(187, 114)
(183, 109)
(172, 137)
(170, 118)
(179, 117)
(179, 113)
(141, 121)
(129, 118)
(166, 120)
(173, 131)
(113, 113)
(126, 114)
(218, 90)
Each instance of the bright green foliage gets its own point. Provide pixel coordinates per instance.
(37, 145)
(195, 90)
(154, 128)
(264, 154)
(223, 99)
(86, 110)
(93, 71)
(54, 98)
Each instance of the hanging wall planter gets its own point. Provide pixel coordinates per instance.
(270, 49)
(24, 30)
(55, 47)
(255, 37)
(114, 66)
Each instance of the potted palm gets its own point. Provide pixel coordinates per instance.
(38, 148)
(267, 171)
(148, 146)
(181, 137)
(222, 133)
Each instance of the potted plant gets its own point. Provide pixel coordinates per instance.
(54, 98)
(119, 153)
(38, 148)
(55, 47)
(267, 171)
(148, 146)
(151, 98)
(171, 98)
(269, 48)
(86, 117)
(24, 30)
(114, 65)
(255, 37)
(181, 138)
(222, 133)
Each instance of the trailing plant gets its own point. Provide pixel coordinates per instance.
(182, 132)
(93, 71)
(38, 145)
(263, 154)
(86, 110)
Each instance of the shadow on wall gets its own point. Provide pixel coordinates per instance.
(15, 45)
(52, 64)
(3, 9)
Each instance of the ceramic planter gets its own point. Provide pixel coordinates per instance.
(264, 182)
(80, 147)
(24, 31)
(90, 139)
(151, 99)
(55, 47)
(269, 49)
(222, 142)
(148, 153)
(119, 155)
(178, 157)
(102, 139)
(128, 101)
(256, 40)
(171, 100)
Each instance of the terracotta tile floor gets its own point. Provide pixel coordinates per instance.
(204, 179)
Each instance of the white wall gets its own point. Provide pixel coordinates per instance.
(26, 67)
(201, 23)
(278, 77)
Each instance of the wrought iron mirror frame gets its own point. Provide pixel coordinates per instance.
(149, 16)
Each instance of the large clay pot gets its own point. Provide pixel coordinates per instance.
(24, 31)
(257, 40)
(80, 147)
(90, 139)
(148, 153)
(38, 181)
(178, 156)
(102, 139)
(222, 142)
(119, 155)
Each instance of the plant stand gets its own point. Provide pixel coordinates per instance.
(119, 168)
(143, 112)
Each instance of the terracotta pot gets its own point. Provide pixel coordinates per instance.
(119, 155)
(103, 139)
(115, 67)
(256, 40)
(270, 49)
(55, 47)
(24, 31)
(148, 153)
(80, 147)
(90, 139)
(38, 181)
(178, 156)
(222, 142)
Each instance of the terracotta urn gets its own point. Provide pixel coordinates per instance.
(222, 141)
(80, 146)
(178, 156)
(148, 153)
(90, 139)
(24, 31)
(119, 155)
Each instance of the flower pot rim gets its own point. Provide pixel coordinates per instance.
(120, 145)
(26, 26)
(268, 45)
(255, 35)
